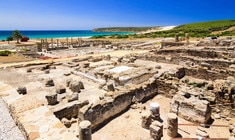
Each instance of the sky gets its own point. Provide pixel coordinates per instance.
(90, 14)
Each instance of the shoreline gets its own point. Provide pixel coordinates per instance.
(42, 34)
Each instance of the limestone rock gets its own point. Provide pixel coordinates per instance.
(22, 90)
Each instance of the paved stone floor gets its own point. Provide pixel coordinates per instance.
(8, 128)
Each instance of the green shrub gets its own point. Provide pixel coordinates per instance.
(5, 53)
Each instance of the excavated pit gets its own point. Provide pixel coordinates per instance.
(199, 81)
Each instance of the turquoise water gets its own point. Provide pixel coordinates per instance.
(37, 34)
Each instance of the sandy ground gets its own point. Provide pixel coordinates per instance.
(128, 125)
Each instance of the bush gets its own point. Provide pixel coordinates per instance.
(24, 39)
(5, 53)
(9, 38)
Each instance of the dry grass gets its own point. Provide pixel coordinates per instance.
(13, 59)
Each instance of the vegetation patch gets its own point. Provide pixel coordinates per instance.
(5, 53)
(200, 29)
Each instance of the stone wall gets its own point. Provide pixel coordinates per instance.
(121, 100)
(191, 108)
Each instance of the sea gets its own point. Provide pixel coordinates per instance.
(40, 34)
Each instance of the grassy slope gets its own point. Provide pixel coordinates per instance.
(200, 29)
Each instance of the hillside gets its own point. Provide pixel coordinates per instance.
(123, 29)
(199, 29)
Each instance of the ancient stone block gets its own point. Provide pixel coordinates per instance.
(60, 89)
(52, 99)
(49, 83)
(172, 125)
(192, 109)
(146, 120)
(81, 85)
(85, 130)
(68, 82)
(86, 65)
(75, 86)
(73, 97)
(67, 73)
(110, 86)
(22, 90)
(156, 130)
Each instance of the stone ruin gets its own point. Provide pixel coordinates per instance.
(199, 79)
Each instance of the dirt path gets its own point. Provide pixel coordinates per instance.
(8, 129)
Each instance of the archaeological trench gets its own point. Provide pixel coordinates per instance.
(83, 94)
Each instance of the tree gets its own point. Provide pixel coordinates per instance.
(9, 38)
(16, 35)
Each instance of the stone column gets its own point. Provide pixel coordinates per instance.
(52, 44)
(176, 37)
(155, 111)
(71, 40)
(85, 130)
(57, 42)
(172, 125)
(47, 46)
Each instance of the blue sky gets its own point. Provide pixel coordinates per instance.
(89, 14)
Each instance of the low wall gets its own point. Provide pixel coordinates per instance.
(106, 109)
